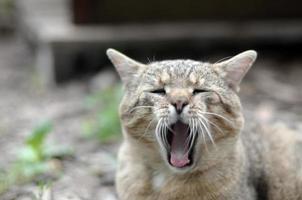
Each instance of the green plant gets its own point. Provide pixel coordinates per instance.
(34, 158)
(34, 150)
(6, 7)
(105, 124)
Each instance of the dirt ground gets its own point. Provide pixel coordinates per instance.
(271, 93)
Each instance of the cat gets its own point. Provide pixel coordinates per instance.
(184, 139)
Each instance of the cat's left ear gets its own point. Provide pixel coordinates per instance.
(126, 67)
(235, 68)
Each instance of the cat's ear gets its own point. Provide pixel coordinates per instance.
(235, 68)
(126, 67)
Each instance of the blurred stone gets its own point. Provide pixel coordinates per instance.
(67, 196)
(264, 113)
(25, 198)
(106, 193)
(44, 194)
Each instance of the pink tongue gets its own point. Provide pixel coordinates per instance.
(179, 150)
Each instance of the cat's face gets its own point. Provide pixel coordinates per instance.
(186, 108)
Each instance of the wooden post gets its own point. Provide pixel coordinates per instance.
(84, 11)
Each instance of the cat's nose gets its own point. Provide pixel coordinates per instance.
(179, 105)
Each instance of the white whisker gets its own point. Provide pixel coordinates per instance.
(194, 133)
(190, 134)
(148, 126)
(171, 130)
(158, 134)
(207, 130)
(201, 130)
(164, 134)
(131, 110)
(212, 123)
(188, 140)
(215, 114)
(223, 59)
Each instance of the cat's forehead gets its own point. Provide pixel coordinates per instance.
(178, 70)
(177, 65)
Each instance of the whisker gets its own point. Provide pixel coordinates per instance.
(164, 135)
(149, 60)
(148, 126)
(170, 129)
(209, 121)
(158, 133)
(165, 128)
(145, 133)
(207, 130)
(223, 59)
(200, 128)
(188, 140)
(215, 114)
(131, 110)
(193, 134)
(190, 134)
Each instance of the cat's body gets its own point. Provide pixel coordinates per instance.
(184, 137)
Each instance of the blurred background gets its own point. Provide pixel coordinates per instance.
(59, 126)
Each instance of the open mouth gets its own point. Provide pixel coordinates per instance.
(181, 142)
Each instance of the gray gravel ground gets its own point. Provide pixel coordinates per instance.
(271, 93)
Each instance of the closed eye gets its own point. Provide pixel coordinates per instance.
(198, 91)
(159, 91)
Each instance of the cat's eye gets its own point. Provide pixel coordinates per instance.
(159, 91)
(198, 91)
(213, 98)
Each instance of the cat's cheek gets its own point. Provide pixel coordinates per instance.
(153, 98)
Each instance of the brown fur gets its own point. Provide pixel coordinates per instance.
(261, 163)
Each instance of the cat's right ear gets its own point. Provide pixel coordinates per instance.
(125, 66)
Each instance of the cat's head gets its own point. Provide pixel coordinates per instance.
(187, 110)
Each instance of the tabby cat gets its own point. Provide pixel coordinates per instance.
(184, 138)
